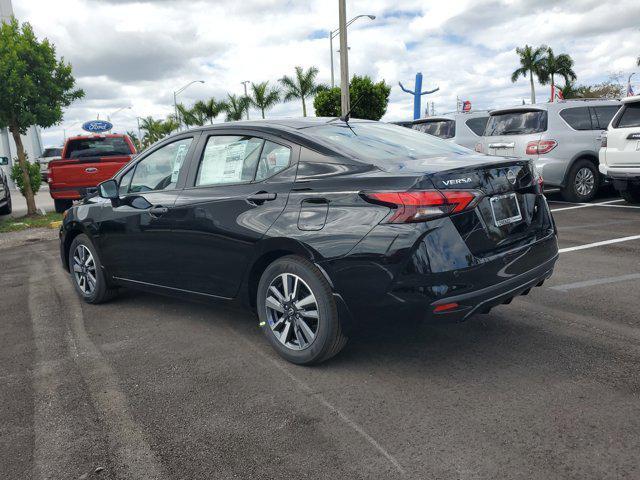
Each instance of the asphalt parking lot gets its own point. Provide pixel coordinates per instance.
(148, 387)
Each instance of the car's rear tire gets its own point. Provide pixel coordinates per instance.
(631, 194)
(86, 272)
(7, 209)
(300, 320)
(583, 182)
(62, 205)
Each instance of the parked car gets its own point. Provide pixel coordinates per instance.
(5, 193)
(462, 128)
(316, 224)
(563, 138)
(620, 152)
(49, 154)
(86, 161)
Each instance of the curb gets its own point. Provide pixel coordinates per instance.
(55, 225)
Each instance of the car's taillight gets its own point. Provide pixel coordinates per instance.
(422, 205)
(478, 148)
(540, 147)
(603, 140)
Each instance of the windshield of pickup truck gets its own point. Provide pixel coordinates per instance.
(97, 147)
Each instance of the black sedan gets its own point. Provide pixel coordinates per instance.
(316, 224)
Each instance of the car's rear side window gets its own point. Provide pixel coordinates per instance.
(603, 115)
(477, 125)
(438, 128)
(578, 118)
(518, 122)
(229, 159)
(630, 116)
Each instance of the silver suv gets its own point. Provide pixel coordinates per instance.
(459, 127)
(563, 138)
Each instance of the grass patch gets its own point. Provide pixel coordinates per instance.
(22, 223)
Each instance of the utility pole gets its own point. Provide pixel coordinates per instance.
(344, 57)
(246, 95)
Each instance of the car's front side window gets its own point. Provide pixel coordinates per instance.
(160, 170)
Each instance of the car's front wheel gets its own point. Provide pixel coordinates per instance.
(88, 276)
(298, 313)
(582, 183)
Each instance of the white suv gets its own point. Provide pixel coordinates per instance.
(563, 138)
(620, 152)
(461, 128)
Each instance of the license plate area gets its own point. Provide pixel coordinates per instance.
(505, 209)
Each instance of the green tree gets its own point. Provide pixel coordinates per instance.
(35, 178)
(210, 109)
(134, 138)
(302, 86)
(558, 65)
(190, 116)
(34, 88)
(155, 130)
(235, 106)
(532, 64)
(372, 105)
(262, 97)
(605, 90)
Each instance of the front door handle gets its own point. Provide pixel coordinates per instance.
(261, 197)
(156, 212)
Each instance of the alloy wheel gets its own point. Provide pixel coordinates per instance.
(585, 181)
(292, 311)
(84, 269)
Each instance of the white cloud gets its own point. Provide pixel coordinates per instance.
(138, 53)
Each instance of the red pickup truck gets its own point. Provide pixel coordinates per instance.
(86, 161)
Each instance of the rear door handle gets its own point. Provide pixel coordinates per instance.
(156, 212)
(261, 197)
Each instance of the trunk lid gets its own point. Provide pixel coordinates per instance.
(508, 132)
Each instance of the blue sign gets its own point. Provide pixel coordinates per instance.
(97, 126)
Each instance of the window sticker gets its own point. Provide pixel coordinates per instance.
(178, 161)
(223, 163)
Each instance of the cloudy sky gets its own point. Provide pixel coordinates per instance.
(136, 53)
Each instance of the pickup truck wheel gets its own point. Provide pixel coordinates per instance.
(7, 209)
(583, 182)
(631, 194)
(87, 273)
(62, 205)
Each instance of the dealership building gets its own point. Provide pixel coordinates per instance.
(31, 141)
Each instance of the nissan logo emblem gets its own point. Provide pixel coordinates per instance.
(511, 177)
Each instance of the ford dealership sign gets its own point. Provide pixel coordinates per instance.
(97, 126)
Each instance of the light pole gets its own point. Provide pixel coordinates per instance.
(344, 58)
(175, 102)
(333, 34)
(116, 111)
(246, 96)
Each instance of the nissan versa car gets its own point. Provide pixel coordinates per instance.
(316, 224)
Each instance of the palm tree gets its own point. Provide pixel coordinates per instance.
(210, 109)
(561, 65)
(531, 63)
(235, 107)
(157, 129)
(190, 116)
(263, 97)
(302, 86)
(134, 138)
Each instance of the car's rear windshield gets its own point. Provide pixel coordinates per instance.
(52, 152)
(97, 147)
(382, 141)
(438, 128)
(519, 122)
(630, 116)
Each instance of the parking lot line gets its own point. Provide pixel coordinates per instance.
(585, 205)
(596, 281)
(599, 244)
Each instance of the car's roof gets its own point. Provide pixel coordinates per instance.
(557, 105)
(288, 123)
(632, 99)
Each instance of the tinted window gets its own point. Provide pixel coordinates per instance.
(160, 170)
(382, 141)
(517, 123)
(578, 118)
(52, 152)
(630, 116)
(438, 128)
(229, 159)
(97, 147)
(477, 125)
(273, 159)
(125, 181)
(603, 115)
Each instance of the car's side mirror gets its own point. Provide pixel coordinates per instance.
(108, 189)
(4, 161)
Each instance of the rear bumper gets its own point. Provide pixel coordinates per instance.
(75, 193)
(620, 176)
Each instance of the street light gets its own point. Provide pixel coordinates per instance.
(333, 34)
(112, 114)
(246, 95)
(175, 103)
